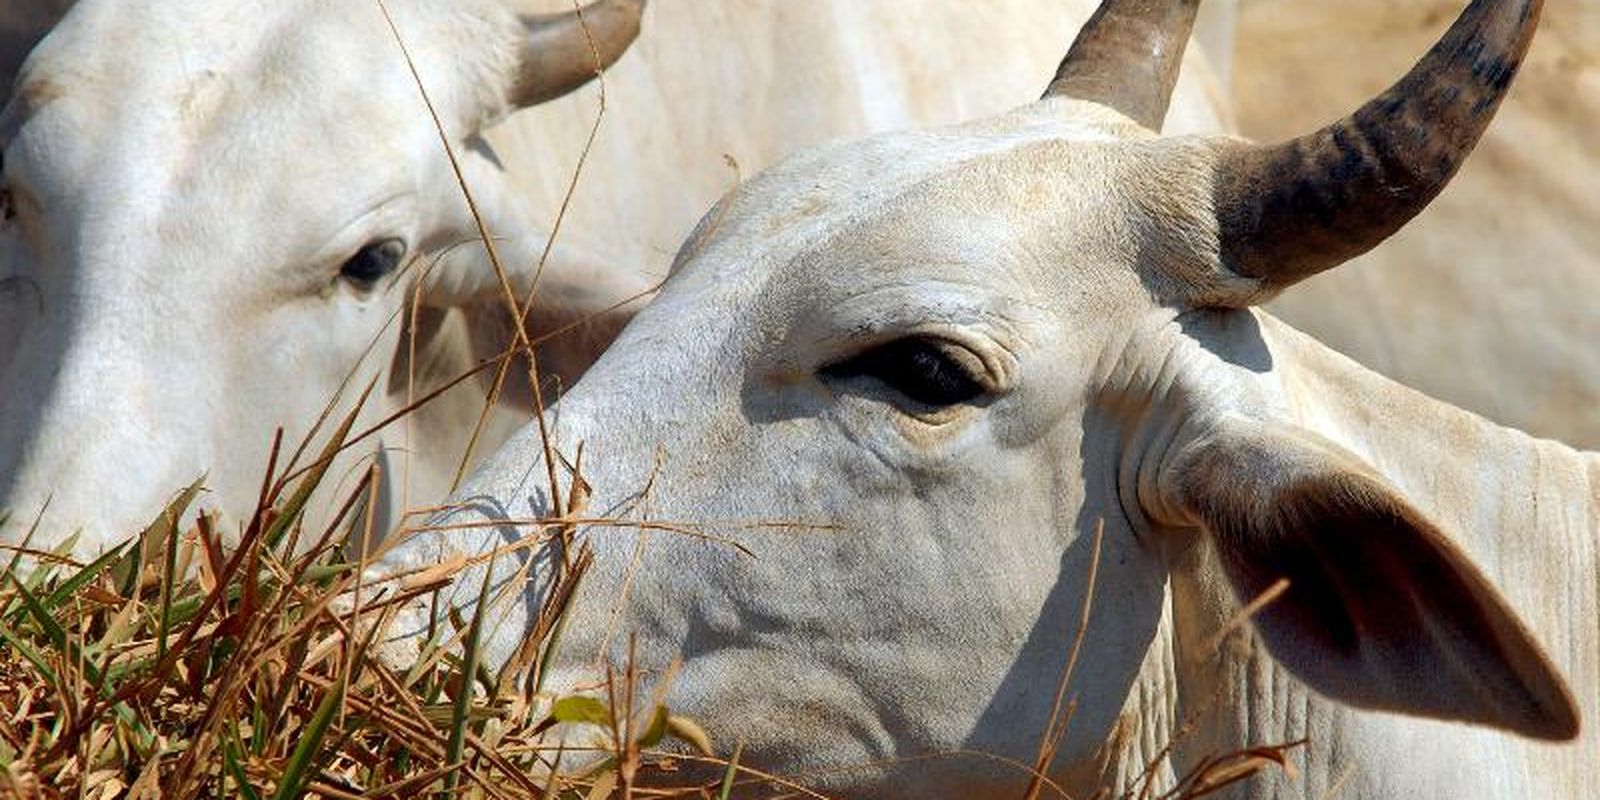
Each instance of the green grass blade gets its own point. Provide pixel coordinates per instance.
(39, 577)
(230, 759)
(127, 572)
(85, 576)
(731, 773)
(47, 569)
(585, 709)
(298, 769)
(459, 716)
(165, 529)
(258, 724)
(63, 644)
(323, 574)
(314, 475)
(18, 644)
(27, 539)
(44, 619)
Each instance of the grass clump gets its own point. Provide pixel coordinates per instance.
(179, 666)
(174, 666)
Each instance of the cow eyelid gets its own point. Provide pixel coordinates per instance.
(922, 369)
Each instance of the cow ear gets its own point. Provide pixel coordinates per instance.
(572, 323)
(1381, 609)
(582, 298)
(581, 280)
(580, 304)
(570, 279)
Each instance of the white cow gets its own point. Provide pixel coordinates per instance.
(220, 208)
(912, 375)
(209, 208)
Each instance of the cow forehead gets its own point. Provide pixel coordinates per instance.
(108, 50)
(191, 118)
(185, 64)
(1029, 209)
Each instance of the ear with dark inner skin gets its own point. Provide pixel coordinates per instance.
(580, 301)
(581, 297)
(571, 325)
(1381, 610)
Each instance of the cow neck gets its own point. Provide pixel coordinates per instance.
(1138, 752)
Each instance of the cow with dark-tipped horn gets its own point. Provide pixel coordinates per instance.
(242, 210)
(1058, 501)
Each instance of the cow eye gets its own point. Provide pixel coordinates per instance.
(926, 371)
(372, 262)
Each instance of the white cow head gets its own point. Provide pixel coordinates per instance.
(215, 210)
(912, 374)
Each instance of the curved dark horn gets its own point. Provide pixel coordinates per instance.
(1127, 57)
(558, 57)
(1291, 210)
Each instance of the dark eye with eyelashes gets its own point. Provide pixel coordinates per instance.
(374, 261)
(926, 371)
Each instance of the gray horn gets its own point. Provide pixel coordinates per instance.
(565, 51)
(1291, 210)
(1127, 57)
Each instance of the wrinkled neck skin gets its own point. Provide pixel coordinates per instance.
(1522, 508)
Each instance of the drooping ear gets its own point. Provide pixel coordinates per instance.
(460, 271)
(572, 278)
(1382, 610)
(582, 298)
(580, 302)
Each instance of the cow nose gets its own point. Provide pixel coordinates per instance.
(92, 520)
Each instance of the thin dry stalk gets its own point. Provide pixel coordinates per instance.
(1061, 710)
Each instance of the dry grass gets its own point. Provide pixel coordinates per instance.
(176, 666)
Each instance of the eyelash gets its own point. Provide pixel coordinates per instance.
(918, 369)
